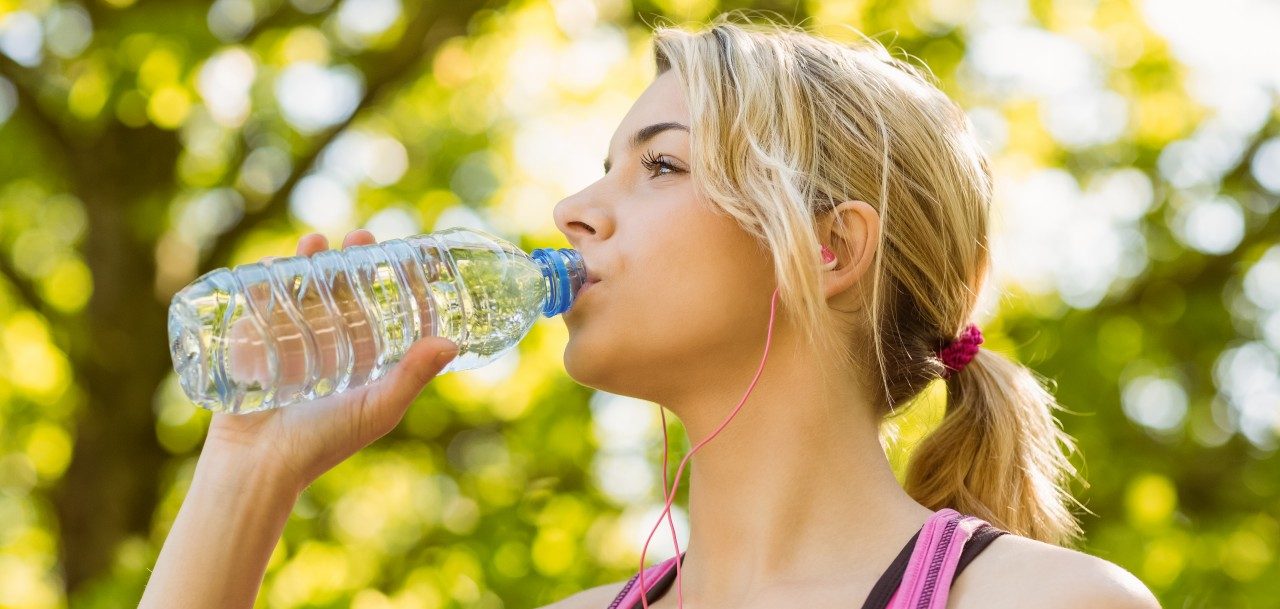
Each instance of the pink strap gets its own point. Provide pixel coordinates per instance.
(927, 581)
(651, 576)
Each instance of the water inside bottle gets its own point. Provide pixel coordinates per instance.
(292, 329)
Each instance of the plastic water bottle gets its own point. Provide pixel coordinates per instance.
(285, 330)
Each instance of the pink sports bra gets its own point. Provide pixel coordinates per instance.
(919, 578)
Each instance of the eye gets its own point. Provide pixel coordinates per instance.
(656, 164)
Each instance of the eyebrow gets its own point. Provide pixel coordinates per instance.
(647, 133)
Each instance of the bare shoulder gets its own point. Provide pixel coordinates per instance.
(1018, 571)
(598, 597)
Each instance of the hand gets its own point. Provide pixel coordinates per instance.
(302, 441)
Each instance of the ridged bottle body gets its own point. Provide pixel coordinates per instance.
(286, 330)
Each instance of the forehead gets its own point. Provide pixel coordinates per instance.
(662, 101)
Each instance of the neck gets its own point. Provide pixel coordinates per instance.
(796, 488)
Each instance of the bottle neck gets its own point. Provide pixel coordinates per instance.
(564, 272)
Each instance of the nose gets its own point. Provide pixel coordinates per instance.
(581, 218)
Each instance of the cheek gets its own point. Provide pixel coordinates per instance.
(681, 299)
(713, 306)
(653, 334)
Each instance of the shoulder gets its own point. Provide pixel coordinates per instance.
(1017, 571)
(598, 597)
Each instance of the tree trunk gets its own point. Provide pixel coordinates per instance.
(110, 488)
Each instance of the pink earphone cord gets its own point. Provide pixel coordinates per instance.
(666, 510)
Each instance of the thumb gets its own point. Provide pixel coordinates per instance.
(421, 363)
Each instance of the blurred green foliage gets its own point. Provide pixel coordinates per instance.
(143, 143)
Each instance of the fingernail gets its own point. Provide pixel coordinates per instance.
(443, 357)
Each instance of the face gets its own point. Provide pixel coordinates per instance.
(683, 291)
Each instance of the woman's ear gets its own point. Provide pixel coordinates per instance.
(851, 231)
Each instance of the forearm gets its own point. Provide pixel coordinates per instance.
(217, 551)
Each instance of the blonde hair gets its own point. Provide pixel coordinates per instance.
(786, 125)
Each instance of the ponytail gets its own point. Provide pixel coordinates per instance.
(999, 453)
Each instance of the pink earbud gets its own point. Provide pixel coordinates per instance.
(828, 258)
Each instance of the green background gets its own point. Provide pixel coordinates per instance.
(144, 143)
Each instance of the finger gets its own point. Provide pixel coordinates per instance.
(312, 243)
(359, 236)
(409, 375)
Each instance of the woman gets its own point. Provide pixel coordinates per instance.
(759, 159)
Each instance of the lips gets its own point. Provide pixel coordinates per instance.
(591, 277)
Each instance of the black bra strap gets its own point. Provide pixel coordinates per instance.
(984, 535)
(892, 577)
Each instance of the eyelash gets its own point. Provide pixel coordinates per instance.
(651, 161)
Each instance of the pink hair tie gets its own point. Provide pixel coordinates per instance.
(961, 350)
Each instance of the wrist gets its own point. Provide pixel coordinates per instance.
(241, 470)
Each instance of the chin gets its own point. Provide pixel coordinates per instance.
(610, 371)
(598, 368)
(585, 365)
